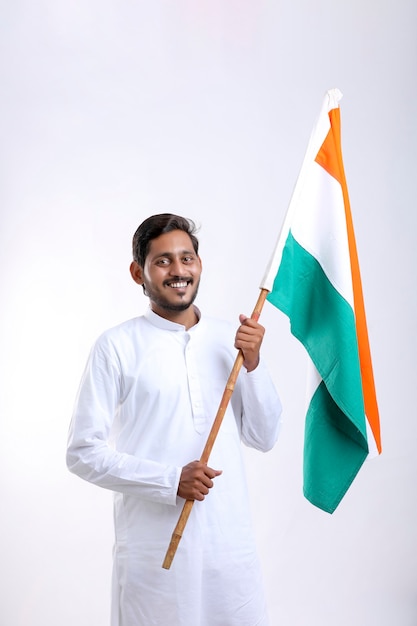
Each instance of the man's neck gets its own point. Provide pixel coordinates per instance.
(187, 318)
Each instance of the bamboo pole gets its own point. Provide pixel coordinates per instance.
(227, 394)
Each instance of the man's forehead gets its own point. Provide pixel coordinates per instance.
(174, 242)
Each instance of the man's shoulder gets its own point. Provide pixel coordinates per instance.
(125, 326)
(121, 332)
(216, 322)
(217, 326)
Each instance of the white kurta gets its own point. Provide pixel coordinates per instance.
(149, 394)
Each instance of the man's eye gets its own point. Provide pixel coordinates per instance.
(188, 259)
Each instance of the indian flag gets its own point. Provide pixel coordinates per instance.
(314, 278)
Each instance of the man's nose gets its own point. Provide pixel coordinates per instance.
(176, 267)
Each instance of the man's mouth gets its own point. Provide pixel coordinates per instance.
(178, 284)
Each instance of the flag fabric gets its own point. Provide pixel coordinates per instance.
(314, 278)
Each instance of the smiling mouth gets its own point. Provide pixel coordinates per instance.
(179, 284)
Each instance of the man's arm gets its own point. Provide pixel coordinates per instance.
(89, 454)
(261, 418)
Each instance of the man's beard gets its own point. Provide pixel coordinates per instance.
(164, 304)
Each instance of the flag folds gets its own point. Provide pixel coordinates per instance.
(314, 278)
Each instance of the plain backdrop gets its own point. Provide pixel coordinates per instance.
(112, 111)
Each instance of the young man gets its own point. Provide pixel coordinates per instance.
(148, 397)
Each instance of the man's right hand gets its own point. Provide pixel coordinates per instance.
(196, 480)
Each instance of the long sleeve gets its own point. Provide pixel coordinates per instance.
(90, 454)
(262, 410)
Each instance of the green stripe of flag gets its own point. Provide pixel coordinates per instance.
(335, 437)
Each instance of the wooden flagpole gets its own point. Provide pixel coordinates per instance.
(227, 394)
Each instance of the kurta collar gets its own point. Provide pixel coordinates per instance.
(160, 322)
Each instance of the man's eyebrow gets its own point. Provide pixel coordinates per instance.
(171, 254)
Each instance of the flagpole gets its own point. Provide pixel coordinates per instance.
(227, 394)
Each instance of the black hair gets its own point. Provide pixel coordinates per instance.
(157, 225)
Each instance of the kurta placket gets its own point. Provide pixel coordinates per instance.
(196, 400)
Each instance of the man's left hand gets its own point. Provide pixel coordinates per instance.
(249, 338)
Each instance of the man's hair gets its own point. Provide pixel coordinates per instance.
(157, 225)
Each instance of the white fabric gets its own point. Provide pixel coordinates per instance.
(309, 206)
(146, 402)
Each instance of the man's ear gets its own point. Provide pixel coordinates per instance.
(136, 272)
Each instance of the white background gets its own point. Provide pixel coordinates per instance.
(112, 111)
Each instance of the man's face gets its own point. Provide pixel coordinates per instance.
(171, 274)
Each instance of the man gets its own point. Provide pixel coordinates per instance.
(146, 403)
